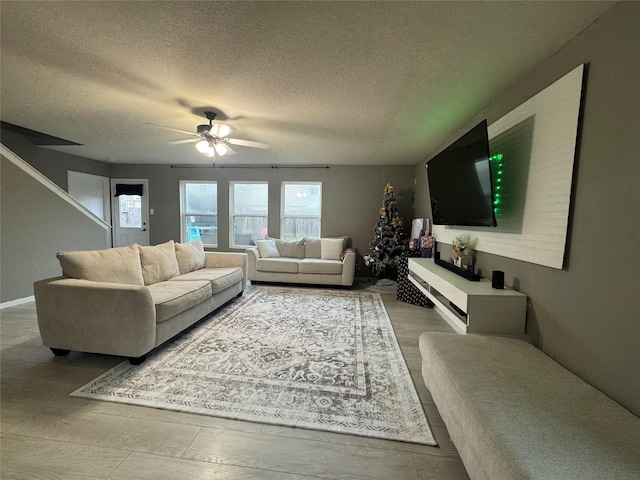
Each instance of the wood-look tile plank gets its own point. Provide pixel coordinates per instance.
(34, 458)
(344, 439)
(45, 382)
(53, 391)
(78, 426)
(411, 351)
(140, 466)
(413, 361)
(303, 457)
(39, 362)
(446, 447)
(160, 415)
(439, 468)
(421, 388)
(435, 420)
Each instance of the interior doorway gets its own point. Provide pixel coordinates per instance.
(130, 207)
(92, 191)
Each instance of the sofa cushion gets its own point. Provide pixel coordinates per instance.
(190, 256)
(113, 265)
(277, 265)
(158, 262)
(316, 265)
(172, 298)
(220, 278)
(331, 248)
(290, 249)
(267, 248)
(312, 247)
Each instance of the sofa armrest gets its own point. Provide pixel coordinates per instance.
(253, 255)
(97, 317)
(348, 269)
(227, 259)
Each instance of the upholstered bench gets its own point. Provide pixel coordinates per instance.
(515, 413)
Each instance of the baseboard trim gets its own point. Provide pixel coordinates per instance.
(17, 301)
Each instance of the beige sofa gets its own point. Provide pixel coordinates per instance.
(325, 261)
(127, 301)
(515, 413)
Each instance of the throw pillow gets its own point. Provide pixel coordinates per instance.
(359, 259)
(267, 248)
(113, 265)
(190, 256)
(290, 249)
(158, 262)
(331, 248)
(344, 253)
(312, 247)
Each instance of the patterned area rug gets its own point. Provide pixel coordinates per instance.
(312, 358)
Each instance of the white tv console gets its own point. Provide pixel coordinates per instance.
(484, 309)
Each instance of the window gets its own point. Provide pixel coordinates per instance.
(301, 210)
(249, 204)
(199, 212)
(130, 211)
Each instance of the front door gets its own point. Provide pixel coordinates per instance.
(130, 207)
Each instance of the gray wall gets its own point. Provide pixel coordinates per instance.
(35, 224)
(351, 196)
(587, 315)
(52, 164)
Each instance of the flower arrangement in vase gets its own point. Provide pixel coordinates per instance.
(464, 251)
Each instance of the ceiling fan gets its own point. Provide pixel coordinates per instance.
(212, 138)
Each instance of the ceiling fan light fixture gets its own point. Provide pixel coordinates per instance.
(212, 138)
(210, 151)
(221, 149)
(202, 146)
(223, 130)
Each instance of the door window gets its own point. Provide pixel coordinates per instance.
(130, 211)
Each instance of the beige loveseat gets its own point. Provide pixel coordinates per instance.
(127, 301)
(325, 261)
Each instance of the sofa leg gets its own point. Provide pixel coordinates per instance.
(137, 360)
(59, 352)
(240, 294)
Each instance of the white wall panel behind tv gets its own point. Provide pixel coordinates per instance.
(538, 141)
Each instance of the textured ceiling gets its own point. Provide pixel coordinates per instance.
(320, 82)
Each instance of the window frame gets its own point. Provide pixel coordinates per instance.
(282, 207)
(233, 214)
(184, 213)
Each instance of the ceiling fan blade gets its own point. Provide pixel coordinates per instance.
(187, 140)
(172, 129)
(220, 130)
(246, 143)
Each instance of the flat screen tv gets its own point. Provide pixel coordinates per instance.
(460, 183)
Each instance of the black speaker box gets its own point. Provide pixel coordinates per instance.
(497, 279)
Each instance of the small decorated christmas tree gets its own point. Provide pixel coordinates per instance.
(388, 241)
